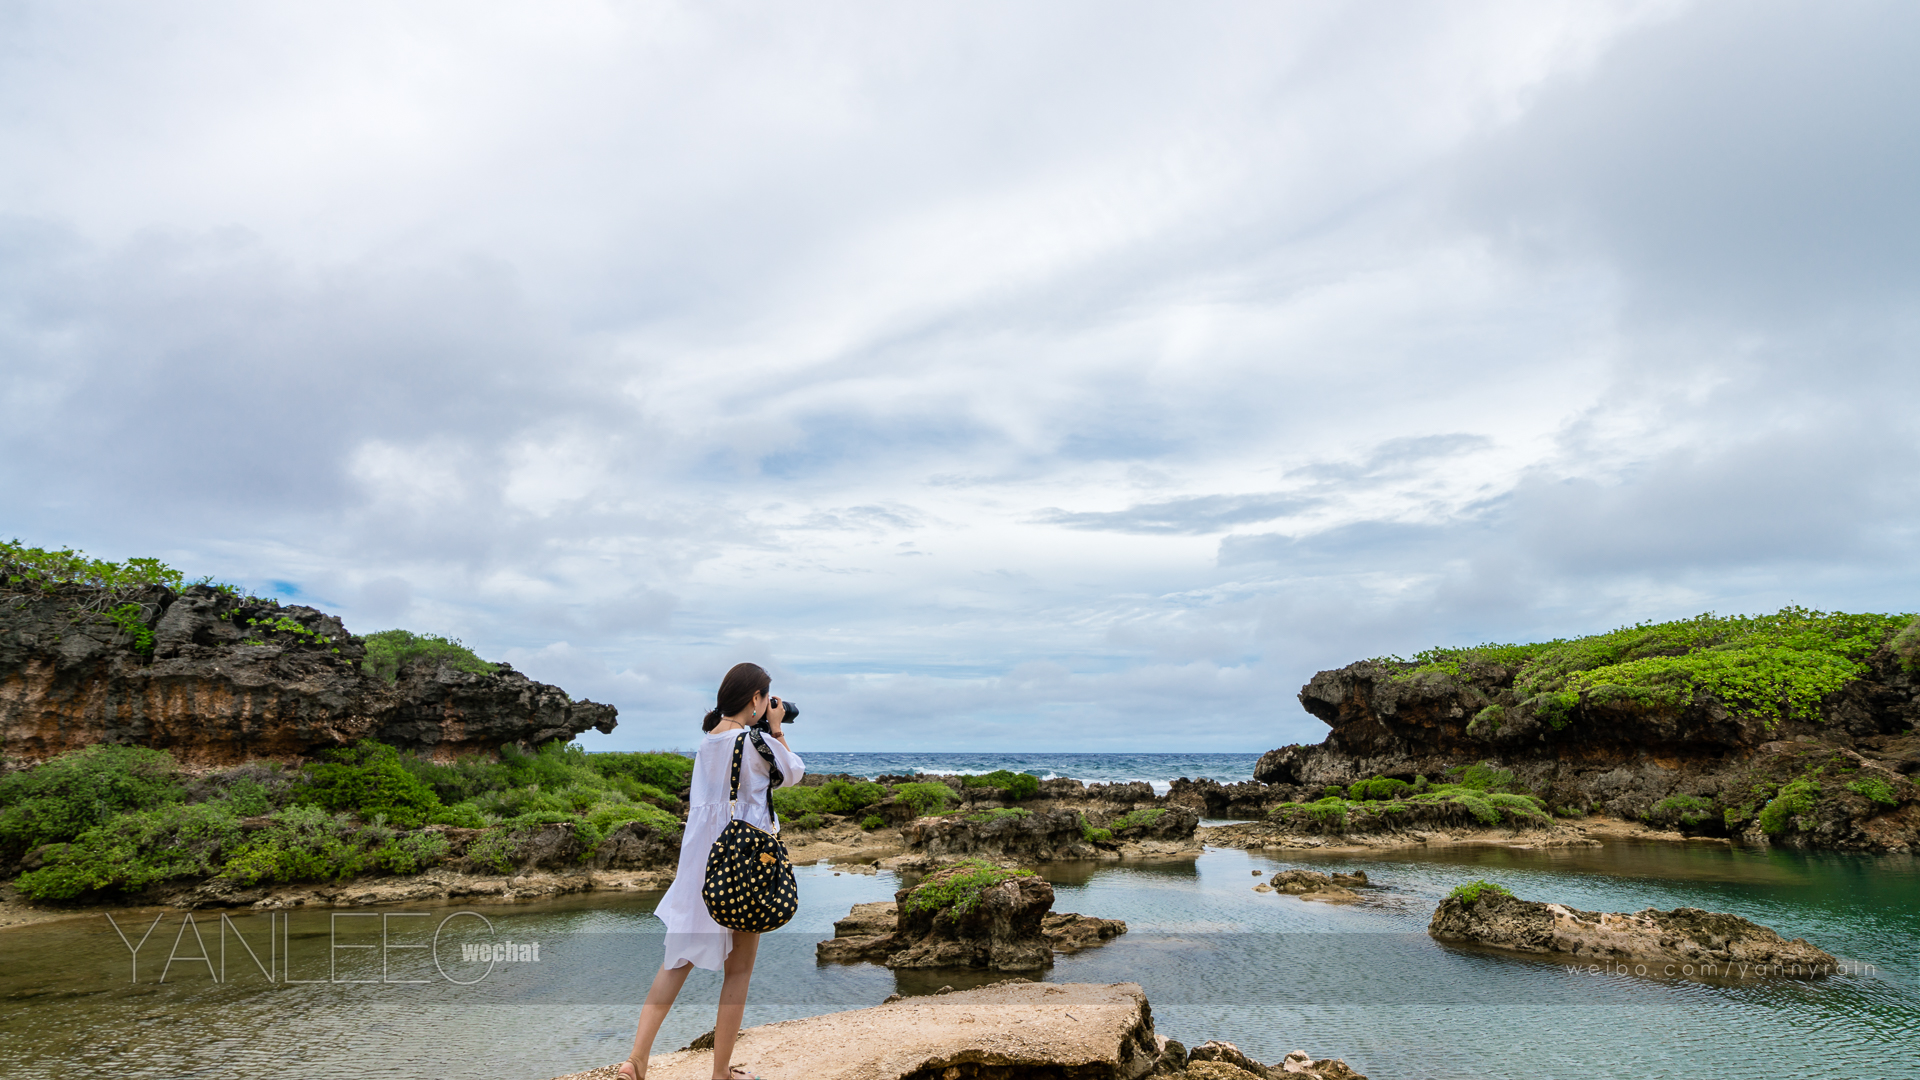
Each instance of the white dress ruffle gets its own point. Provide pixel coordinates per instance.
(692, 935)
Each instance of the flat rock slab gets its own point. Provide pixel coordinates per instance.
(1088, 1031)
(1712, 943)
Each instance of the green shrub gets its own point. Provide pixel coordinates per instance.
(368, 778)
(247, 797)
(493, 850)
(1797, 797)
(1487, 721)
(410, 853)
(1016, 785)
(1906, 645)
(1136, 817)
(1380, 788)
(1333, 791)
(389, 651)
(69, 794)
(958, 887)
(1478, 805)
(1875, 789)
(1330, 812)
(810, 822)
(1689, 810)
(1471, 892)
(1483, 777)
(606, 818)
(832, 797)
(461, 815)
(998, 813)
(301, 843)
(1570, 811)
(136, 849)
(925, 797)
(873, 821)
(667, 772)
(520, 801)
(1519, 807)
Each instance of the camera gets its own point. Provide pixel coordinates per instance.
(793, 712)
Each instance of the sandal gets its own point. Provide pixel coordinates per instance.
(628, 1071)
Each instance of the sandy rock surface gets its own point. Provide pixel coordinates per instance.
(1098, 1032)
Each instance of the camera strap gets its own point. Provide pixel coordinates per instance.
(774, 778)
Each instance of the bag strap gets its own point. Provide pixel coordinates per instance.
(774, 779)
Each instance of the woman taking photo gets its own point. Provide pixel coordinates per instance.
(693, 938)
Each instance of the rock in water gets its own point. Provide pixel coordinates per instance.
(1693, 941)
(876, 932)
(1074, 1030)
(1314, 885)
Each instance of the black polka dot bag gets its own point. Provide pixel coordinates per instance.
(749, 885)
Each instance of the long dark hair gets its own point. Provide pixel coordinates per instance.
(736, 692)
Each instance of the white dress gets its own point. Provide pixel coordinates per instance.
(692, 935)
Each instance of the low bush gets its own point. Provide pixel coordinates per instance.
(1136, 817)
(999, 813)
(832, 797)
(1688, 810)
(1016, 785)
(1380, 788)
(137, 849)
(607, 818)
(925, 797)
(390, 651)
(666, 772)
(368, 778)
(69, 794)
(301, 843)
(958, 887)
(810, 822)
(1471, 892)
(1876, 790)
(1797, 797)
(410, 853)
(873, 821)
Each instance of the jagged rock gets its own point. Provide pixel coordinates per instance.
(1700, 942)
(1225, 1053)
(1211, 798)
(634, 846)
(1006, 1032)
(1002, 939)
(69, 678)
(1314, 885)
(1215, 1060)
(1034, 837)
(1694, 767)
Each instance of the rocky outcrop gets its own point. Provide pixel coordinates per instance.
(227, 680)
(1211, 798)
(1314, 885)
(1699, 768)
(1215, 1060)
(998, 926)
(876, 933)
(1054, 835)
(1688, 941)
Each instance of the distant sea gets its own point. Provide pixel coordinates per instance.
(1160, 770)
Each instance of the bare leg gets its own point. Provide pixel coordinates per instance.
(666, 986)
(738, 972)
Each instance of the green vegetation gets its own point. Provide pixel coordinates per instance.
(958, 887)
(809, 821)
(872, 821)
(1016, 785)
(1769, 667)
(78, 791)
(1471, 892)
(999, 813)
(1483, 790)
(1876, 790)
(1688, 810)
(925, 797)
(1380, 788)
(1136, 817)
(833, 797)
(1795, 798)
(66, 566)
(116, 819)
(389, 651)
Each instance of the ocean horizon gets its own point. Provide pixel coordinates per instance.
(1159, 770)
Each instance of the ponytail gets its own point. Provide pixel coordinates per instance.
(736, 693)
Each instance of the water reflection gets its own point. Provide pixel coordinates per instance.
(1272, 973)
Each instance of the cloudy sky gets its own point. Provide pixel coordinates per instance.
(1067, 376)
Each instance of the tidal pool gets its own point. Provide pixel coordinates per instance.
(1269, 972)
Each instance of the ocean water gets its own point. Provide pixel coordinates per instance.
(1160, 770)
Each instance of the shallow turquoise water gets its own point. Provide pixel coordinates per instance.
(1218, 960)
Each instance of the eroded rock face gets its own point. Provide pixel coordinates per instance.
(1033, 837)
(1314, 885)
(1704, 942)
(70, 679)
(1019, 933)
(1693, 768)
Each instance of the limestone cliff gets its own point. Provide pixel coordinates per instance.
(216, 680)
(1697, 765)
